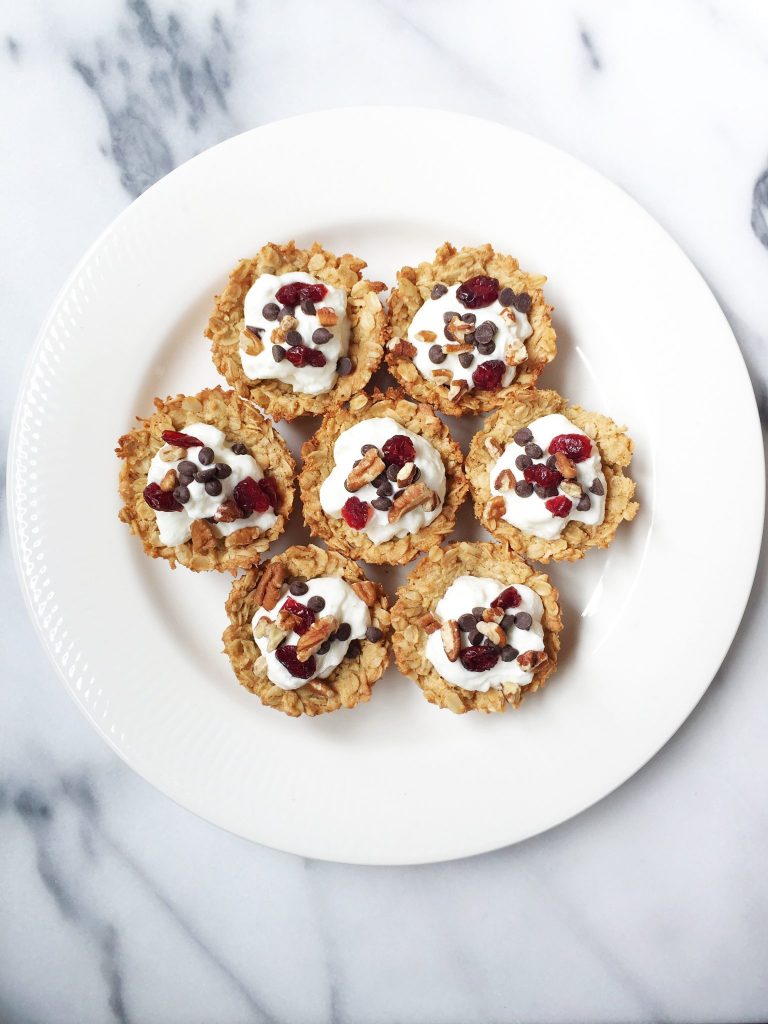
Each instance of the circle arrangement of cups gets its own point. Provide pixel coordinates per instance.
(207, 482)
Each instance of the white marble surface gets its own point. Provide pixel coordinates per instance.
(116, 905)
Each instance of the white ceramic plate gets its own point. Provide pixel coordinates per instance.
(641, 338)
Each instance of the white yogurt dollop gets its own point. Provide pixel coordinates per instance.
(308, 380)
(176, 527)
(531, 514)
(466, 593)
(512, 330)
(340, 601)
(346, 451)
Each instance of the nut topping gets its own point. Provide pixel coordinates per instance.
(327, 317)
(368, 468)
(564, 466)
(493, 447)
(454, 348)
(228, 511)
(173, 454)
(412, 497)
(448, 374)
(505, 481)
(402, 347)
(531, 660)
(203, 537)
(315, 637)
(250, 342)
(449, 634)
(493, 631)
(169, 481)
(456, 390)
(573, 490)
(495, 508)
(427, 335)
(429, 623)
(493, 614)
(406, 474)
(267, 592)
(367, 592)
(457, 328)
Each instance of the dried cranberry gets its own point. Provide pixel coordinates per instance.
(542, 475)
(286, 655)
(268, 484)
(559, 506)
(305, 615)
(181, 440)
(160, 501)
(509, 598)
(250, 496)
(398, 450)
(478, 292)
(576, 446)
(296, 292)
(300, 355)
(356, 513)
(479, 659)
(487, 376)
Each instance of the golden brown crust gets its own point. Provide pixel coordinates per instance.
(241, 422)
(449, 267)
(317, 457)
(368, 323)
(615, 452)
(419, 596)
(348, 685)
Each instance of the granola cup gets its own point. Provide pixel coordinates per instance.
(449, 267)
(241, 423)
(416, 603)
(351, 683)
(615, 449)
(318, 461)
(368, 324)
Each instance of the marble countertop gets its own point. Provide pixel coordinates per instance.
(115, 904)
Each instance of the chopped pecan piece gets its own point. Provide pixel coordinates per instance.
(457, 328)
(495, 508)
(449, 634)
(367, 469)
(327, 318)
(453, 349)
(169, 481)
(493, 447)
(456, 390)
(429, 623)
(447, 374)
(427, 335)
(505, 481)
(315, 637)
(572, 489)
(493, 631)
(531, 660)
(228, 511)
(565, 467)
(493, 614)
(402, 347)
(412, 497)
(405, 474)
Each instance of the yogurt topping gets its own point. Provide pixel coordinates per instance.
(582, 498)
(430, 471)
(175, 527)
(495, 334)
(332, 596)
(321, 328)
(475, 592)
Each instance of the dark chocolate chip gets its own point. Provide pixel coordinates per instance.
(344, 366)
(203, 475)
(533, 451)
(552, 462)
(271, 311)
(181, 494)
(466, 359)
(187, 468)
(238, 449)
(308, 307)
(223, 470)
(522, 302)
(476, 639)
(316, 604)
(379, 480)
(324, 647)
(467, 622)
(374, 634)
(436, 354)
(438, 291)
(597, 487)
(278, 353)
(507, 622)
(298, 587)
(487, 642)
(344, 632)
(485, 332)
(584, 504)
(486, 348)
(213, 487)
(545, 492)
(293, 339)
(205, 456)
(523, 489)
(321, 336)
(523, 461)
(382, 504)
(469, 318)
(523, 620)
(392, 471)
(508, 653)
(366, 448)
(285, 311)
(478, 612)
(353, 651)
(447, 317)
(384, 490)
(506, 296)
(523, 436)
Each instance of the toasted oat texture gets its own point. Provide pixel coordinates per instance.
(348, 685)
(418, 598)
(368, 323)
(241, 422)
(450, 267)
(615, 452)
(317, 456)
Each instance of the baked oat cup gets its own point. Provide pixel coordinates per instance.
(382, 479)
(479, 614)
(548, 477)
(206, 481)
(298, 330)
(468, 329)
(308, 632)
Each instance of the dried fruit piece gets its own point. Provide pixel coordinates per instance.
(250, 497)
(159, 500)
(576, 446)
(301, 355)
(356, 513)
(296, 292)
(181, 440)
(479, 659)
(398, 450)
(542, 475)
(268, 485)
(449, 634)
(488, 376)
(509, 598)
(559, 506)
(287, 657)
(304, 616)
(478, 292)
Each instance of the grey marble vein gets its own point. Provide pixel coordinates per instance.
(759, 218)
(589, 46)
(13, 48)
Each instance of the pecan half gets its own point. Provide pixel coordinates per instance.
(493, 631)
(449, 634)
(367, 469)
(327, 317)
(428, 622)
(203, 537)
(505, 481)
(366, 591)
(173, 454)
(565, 467)
(169, 481)
(412, 497)
(250, 342)
(402, 347)
(531, 660)
(267, 591)
(495, 508)
(315, 636)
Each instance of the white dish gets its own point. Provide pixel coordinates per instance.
(641, 338)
